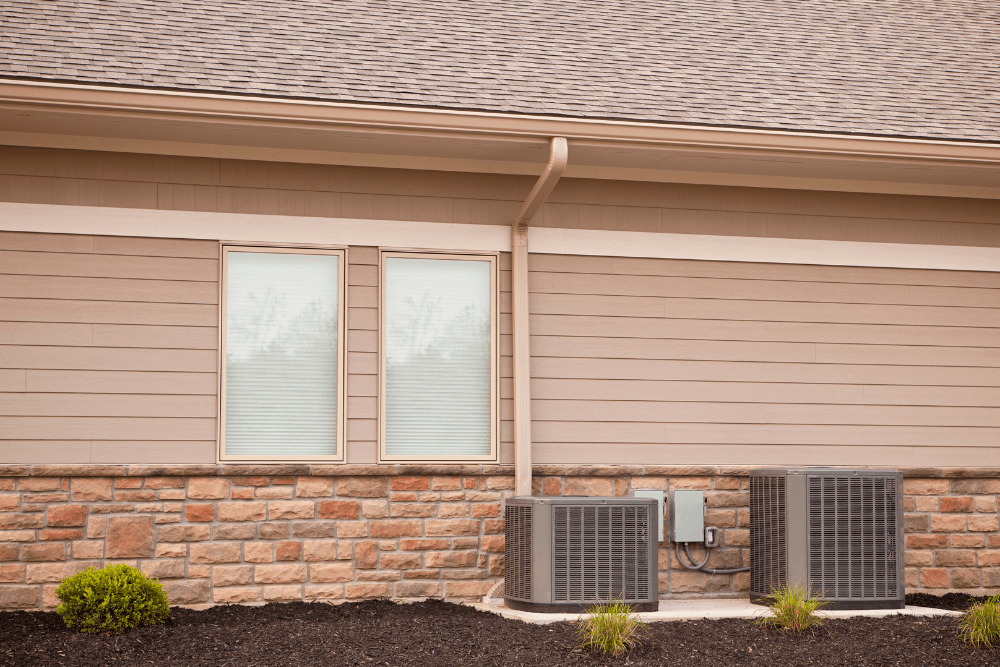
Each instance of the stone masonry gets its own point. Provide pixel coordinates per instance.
(258, 533)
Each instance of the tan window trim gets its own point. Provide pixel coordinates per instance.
(341, 253)
(458, 255)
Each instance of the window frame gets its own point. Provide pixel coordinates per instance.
(494, 382)
(341, 404)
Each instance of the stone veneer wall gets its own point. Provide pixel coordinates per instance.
(251, 533)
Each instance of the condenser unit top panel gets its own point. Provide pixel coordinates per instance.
(564, 500)
(825, 472)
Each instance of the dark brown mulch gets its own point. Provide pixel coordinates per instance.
(952, 601)
(377, 633)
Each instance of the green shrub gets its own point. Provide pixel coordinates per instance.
(794, 609)
(610, 628)
(981, 624)
(112, 600)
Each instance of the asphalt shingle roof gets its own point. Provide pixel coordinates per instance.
(916, 68)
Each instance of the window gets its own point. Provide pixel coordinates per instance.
(282, 365)
(439, 357)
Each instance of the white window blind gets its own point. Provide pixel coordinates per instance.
(281, 354)
(437, 357)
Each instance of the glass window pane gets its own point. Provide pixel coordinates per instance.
(281, 354)
(437, 357)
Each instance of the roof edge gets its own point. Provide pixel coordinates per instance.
(153, 104)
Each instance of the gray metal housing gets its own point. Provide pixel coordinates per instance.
(838, 532)
(567, 553)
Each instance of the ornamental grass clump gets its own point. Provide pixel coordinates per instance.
(981, 624)
(611, 628)
(793, 609)
(112, 600)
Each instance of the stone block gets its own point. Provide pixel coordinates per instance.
(258, 552)
(66, 515)
(945, 523)
(196, 533)
(215, 552)
(171, 551)
(8, 552)
(986, 504)
(493, 526)
(43, 573)
(485, 510)
(975, 486)
(399, 561)
(367, 590)
(410, 484)
(10, 502)
(362, 487)
(421, 574)
(702, 483)
(279, 574)
(395, 528)
(40, 484)
(352, 529)
(588, 486)
(130, 537)
(12, 574)
(16, 521)
(414, 510)
(492, 544)
(916, 523)
(990, 558)
(956, 504)
(43, 552)
(89, 549)
(965, 578)
(697, 582)
(423, 545)
(727, 498)
(451, 527)
(164, 483)
(720, 518)
(172, 494)
(199, 571)
(365, 554)
(234, 531)
(235, 595)
(480, 496)
(197, 513)
(232, 575)
(467, 589)
(991, 578)
(985, 523)
(338, 509)
(328, 592)
(375, 509)
(314, 529)
(91, 488)
(450, 559)
(242, 493)
(288, 551)
(934, 577)
(925, 487)
(918, 557)
(272, 531)
(208, 488)
(275, 493)
(446, 483)
(452, 510)
(60, 534)
(235, 512)
(926, 541)
(17, 536)
(20, 597)
(496, 566)
(955, 558)
(162, 569)
(418, 589)
(314, 487)
(465, 543)
(968, 541)
(187, 591)
(926, 503)
(331, 572)
(498, 483)
(319, 550)
(282, 593)
(293, 509)
(135, 495)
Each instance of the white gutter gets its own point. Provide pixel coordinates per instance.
(558, 157)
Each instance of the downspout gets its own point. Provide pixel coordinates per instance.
(558, 156)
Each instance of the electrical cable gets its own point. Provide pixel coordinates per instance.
(701, 566)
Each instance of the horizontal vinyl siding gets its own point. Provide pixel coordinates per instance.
(108, 349)
(668, 361)
(54, 176)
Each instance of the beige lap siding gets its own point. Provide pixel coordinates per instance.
(650, 361)
(107, 349)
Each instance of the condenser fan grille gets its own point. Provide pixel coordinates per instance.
(768, 569)
(600, 553)
(517, 552)
(852, 537)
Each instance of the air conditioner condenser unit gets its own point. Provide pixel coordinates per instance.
(563, 554)
(837, 532)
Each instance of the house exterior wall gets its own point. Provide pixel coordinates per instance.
(646, 373)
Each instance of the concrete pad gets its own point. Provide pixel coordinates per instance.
(692, 610)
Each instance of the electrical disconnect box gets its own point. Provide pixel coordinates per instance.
(687, 516)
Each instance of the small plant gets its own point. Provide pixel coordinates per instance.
(610, 628)
(112, 600)
(981, 624)
(793, 609)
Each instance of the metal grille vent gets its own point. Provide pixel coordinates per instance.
(768, 567)
(852, 537)
(517, 552)
(600, 553)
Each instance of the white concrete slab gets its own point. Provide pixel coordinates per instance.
(691, 610)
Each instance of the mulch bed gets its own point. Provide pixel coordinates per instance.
(375, 633)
